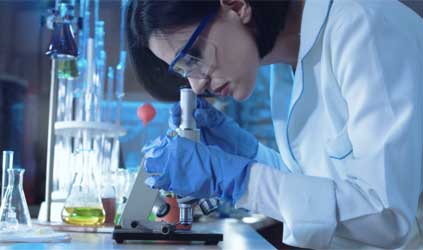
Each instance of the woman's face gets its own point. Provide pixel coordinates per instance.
(228, 48)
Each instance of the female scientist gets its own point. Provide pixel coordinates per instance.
(348, 122)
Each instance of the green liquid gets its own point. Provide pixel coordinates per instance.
(67, 69)
(117, 218)
(84, 216)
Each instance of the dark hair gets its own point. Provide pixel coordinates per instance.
(147, 16)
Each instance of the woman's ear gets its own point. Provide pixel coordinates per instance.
(240, 7)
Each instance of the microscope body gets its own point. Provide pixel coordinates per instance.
(143, 200)
(188, 129)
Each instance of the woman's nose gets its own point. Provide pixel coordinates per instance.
(198, 85)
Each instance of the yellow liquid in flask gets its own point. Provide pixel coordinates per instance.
(84, 216)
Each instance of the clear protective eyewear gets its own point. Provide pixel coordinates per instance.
(196, 58)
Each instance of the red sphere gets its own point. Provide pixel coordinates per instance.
(146, 113)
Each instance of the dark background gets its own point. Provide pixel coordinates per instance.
(25, 82)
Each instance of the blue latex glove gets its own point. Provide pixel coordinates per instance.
(193, 169)
(218, 129)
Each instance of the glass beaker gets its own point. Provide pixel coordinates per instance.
(108, 199)
(125, 180)
(121, 196)
(14, 213)
(83, 205)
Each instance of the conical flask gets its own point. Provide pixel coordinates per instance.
(14, 213)
(83, 205)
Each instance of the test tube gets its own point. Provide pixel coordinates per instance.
(120, 74)
(7, 164)
(110, 86)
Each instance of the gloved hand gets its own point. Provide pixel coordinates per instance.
(193, 169)
(218, 129)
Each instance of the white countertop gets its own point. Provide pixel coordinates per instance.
(236, 235)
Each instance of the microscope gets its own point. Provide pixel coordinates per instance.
(142, 201)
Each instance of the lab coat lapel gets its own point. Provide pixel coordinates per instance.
(314, 17)
(313, 20)
(281, 80)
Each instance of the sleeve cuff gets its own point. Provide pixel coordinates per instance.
(305, 204)
(261, 195)
(308, 206)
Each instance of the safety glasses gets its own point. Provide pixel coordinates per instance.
(196, 58)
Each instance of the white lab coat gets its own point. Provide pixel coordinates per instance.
(349, 131)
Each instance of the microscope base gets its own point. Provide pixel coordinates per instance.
(120, 235)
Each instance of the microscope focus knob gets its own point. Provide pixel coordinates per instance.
(163, 210)
(134, 224)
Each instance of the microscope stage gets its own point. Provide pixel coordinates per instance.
(121, 234)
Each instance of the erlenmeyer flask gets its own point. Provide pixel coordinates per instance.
(83, 206)
(14, 213)
(62, 41)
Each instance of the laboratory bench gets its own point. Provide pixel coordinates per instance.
(236, 235)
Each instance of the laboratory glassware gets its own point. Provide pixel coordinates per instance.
(122, 185)
(124, 179)
(7, 164)
(108, 198)
(83, 205)
(63, 42)
(14, 212)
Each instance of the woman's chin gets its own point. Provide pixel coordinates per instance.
(241, 95)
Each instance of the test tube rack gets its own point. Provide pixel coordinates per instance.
(73, 129)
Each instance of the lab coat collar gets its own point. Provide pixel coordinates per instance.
(313, 18)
